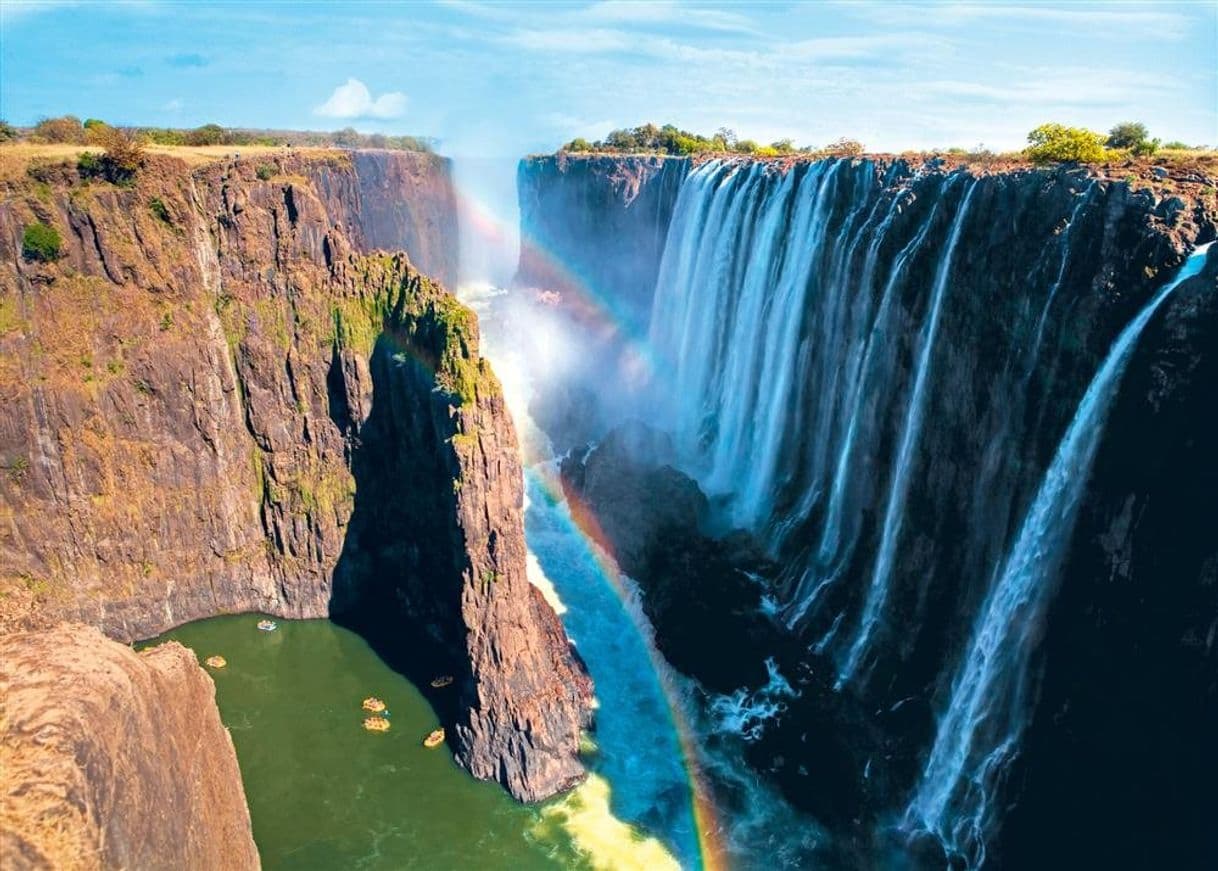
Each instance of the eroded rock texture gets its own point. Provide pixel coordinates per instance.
(215, 401)
(114, 759)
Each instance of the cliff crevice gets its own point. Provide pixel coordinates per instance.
(218, 399)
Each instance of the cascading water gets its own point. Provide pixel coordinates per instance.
(979, 732)
(745, 252)
(857, 369)
(895, 512)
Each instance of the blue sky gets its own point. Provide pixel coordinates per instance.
(505, 78)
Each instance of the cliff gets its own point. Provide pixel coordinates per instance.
(592, 232)
(870, 367)
(593, 228)
(113, 759)
(215, 402)
(424, 224)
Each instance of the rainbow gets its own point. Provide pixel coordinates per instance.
(708, 830)
(598, 311)
(606, 319)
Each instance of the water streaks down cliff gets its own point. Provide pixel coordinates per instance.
(980, 730)
(897, 378)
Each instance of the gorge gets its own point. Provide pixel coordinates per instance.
(936, 403)
(876, 497)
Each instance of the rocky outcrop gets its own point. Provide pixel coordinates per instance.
(114, 759)
(215, 402)
(424, 224)
(1129, 698)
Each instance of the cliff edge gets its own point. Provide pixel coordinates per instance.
(114, 759)
(215, 400)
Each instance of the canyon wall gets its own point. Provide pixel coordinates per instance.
(424, 224)
(114, 759)
(593, 228)
(592, 231)
(872, 368)
(216, 401)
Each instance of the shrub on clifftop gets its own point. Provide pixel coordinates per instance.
(1057, 143)
(122, 159)
(66, 128)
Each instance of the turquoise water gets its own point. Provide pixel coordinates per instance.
(323, 792)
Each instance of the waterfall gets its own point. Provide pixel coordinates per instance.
(755, 261)
(894, 514)
(1083, 199)
(978, 733)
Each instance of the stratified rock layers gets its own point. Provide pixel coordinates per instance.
(189, 427)
(114, 759)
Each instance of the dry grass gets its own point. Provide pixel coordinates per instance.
(15, 158)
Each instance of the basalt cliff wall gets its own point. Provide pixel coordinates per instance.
(944, 330)
(114, 759)
(593, 228)
(217, 398)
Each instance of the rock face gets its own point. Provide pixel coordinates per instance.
(424, 224)
(592, 232)
(595, 227)
(1049, 267)
(215, 402)
(113, 759)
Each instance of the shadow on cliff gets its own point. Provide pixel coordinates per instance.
(397, 581)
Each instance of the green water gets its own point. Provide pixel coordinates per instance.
(326, 794)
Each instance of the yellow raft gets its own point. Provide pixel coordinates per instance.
(216, 661)
(376, 724)
(435, 739)
(441, 682)
(373, 704)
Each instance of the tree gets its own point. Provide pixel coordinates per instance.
(208, 134)
(845, 147)
(347, 137)
(96, 131)
(122, 159)
(783, 146)
(1128, 134)
(724, 139)
(66, 128)
(579, 143)
(6, 131)
(1056, 143)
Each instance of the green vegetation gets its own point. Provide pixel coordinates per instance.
(118, 164)
(1056, 143)
(158, 208)
(670, 139)
(40, 242)
(265, 171)
(1134, 136)
(17, 468)
(94, 131)
(214, 134)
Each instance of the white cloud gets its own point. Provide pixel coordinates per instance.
(354, 100)
(174, 105)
